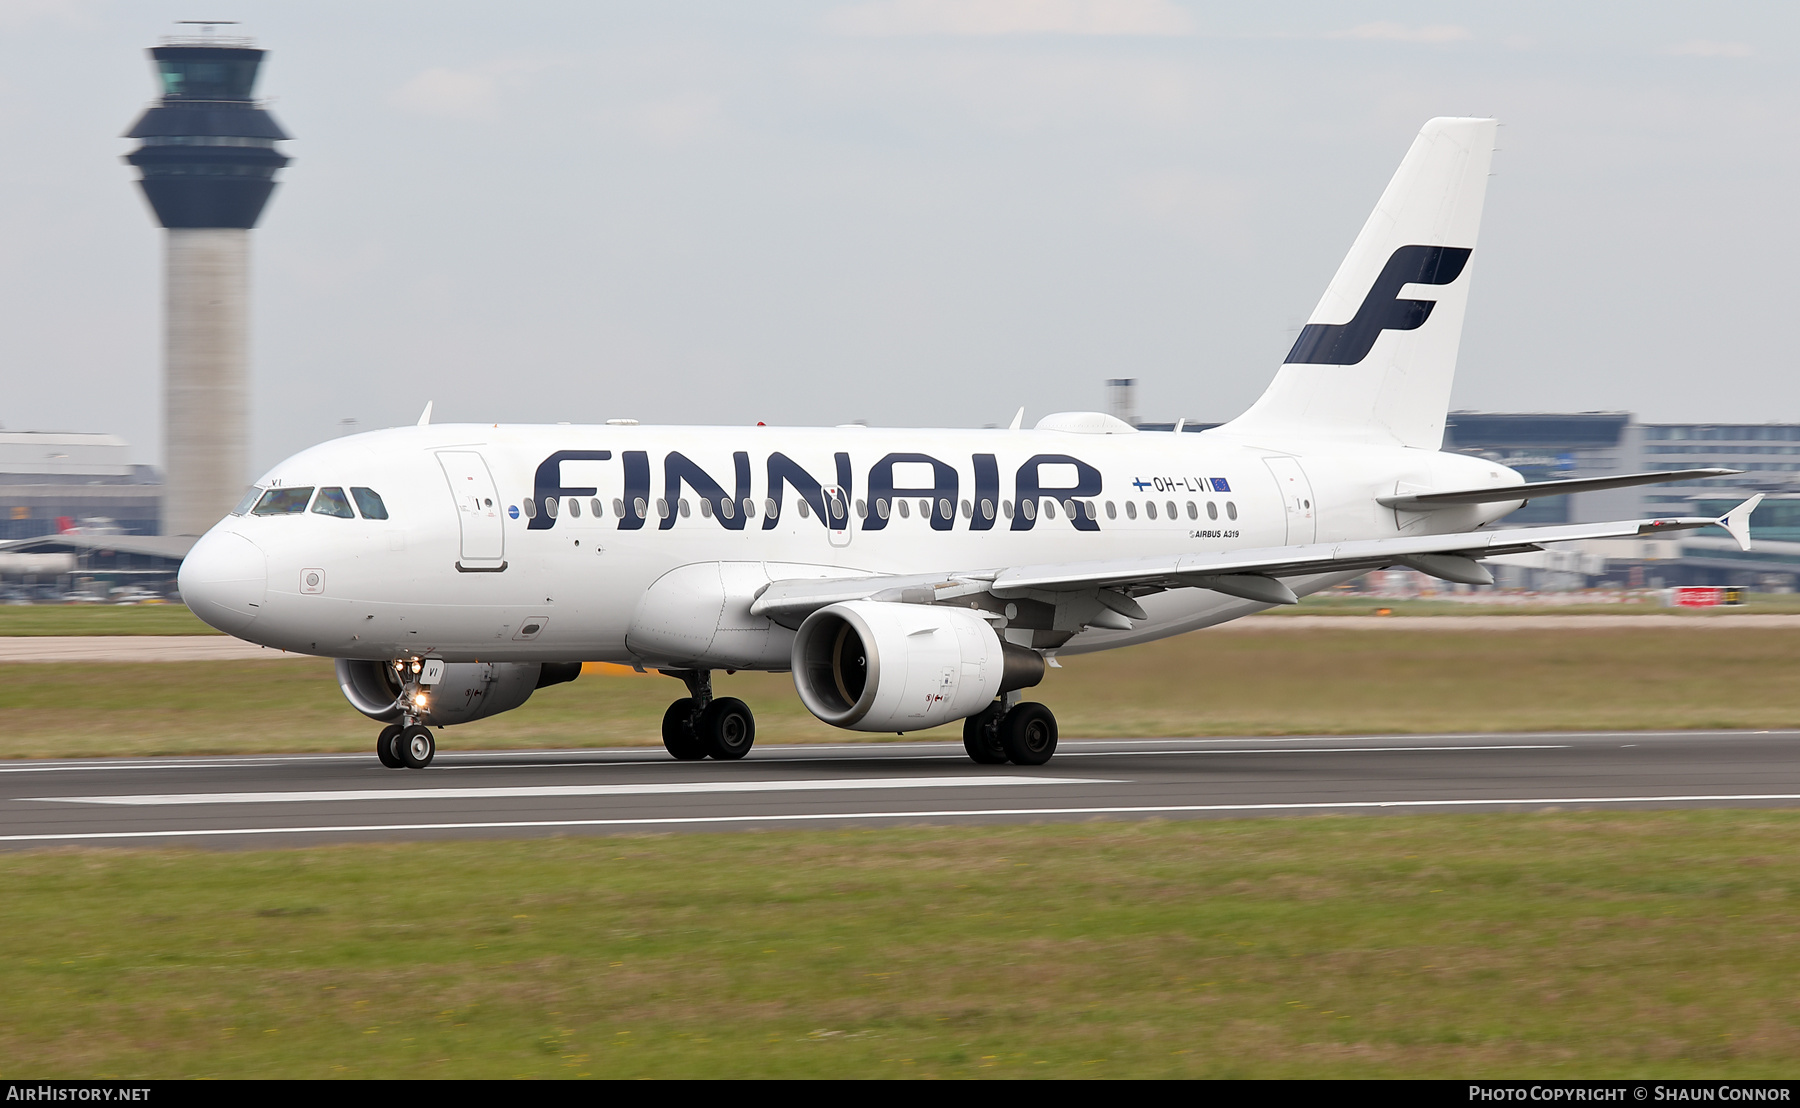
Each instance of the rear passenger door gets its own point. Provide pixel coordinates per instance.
(477, 511)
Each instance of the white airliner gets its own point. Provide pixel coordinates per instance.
(907, 578)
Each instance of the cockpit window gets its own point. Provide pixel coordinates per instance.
(247, 502)
(333, 502)
(368, 501)
(283, 502)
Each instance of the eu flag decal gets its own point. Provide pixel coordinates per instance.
(1219, 485)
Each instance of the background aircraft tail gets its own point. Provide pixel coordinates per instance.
(1377, 357)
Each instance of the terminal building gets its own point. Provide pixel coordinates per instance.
(78, 517)
(1549, 446)
(52, 482)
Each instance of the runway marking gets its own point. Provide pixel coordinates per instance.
(801, 751)
(959, 756)
(813, 817)
(646, 788)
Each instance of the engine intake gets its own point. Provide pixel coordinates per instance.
(468, 690)
(869, 665)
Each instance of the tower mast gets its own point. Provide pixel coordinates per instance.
(208, 160)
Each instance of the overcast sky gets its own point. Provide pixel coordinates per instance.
(910, 212)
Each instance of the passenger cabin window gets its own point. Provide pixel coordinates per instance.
(368, 502)
(248, 502)
(283, 502)
(1231, 509)
(331, 501)
(595, 504)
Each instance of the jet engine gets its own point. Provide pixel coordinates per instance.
(875, 666)
(467, 690)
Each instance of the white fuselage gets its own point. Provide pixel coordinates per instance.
(450, 575)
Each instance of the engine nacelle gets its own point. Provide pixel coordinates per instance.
(467, 691)
(874, 666)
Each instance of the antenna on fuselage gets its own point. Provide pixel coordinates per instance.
(425, 416)
(1018, 420)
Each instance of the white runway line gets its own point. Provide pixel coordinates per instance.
(813, 817)
(659, 788)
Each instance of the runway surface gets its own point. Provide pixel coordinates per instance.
(227, 802)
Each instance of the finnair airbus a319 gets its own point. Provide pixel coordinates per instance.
(907, 578)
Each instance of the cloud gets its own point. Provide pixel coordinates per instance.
(677, 120)
(1200, 206)
(1432, 34)
(471, 94)
(1011, 17)
(1703, 48)
(450, 94)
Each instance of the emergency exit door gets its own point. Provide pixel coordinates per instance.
(1296, 498)
(478, 511)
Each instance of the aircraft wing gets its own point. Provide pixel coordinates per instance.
(1252, 574)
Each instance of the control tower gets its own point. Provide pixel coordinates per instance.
(208, 160)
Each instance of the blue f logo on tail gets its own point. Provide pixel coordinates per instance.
(1381, 310)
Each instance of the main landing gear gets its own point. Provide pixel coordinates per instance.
(1011, 730)
(699, 726)
(405, 747)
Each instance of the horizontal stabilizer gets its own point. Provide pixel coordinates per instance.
(1429, 501)
(1737, 521)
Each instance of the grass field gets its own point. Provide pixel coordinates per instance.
(100, 619)
(1619, 944)
(175, 619)
(1274, 682)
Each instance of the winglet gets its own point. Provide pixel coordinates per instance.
(1737, 521)
(425, 416)
(1018, 420)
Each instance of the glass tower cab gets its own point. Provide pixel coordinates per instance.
(207, 155)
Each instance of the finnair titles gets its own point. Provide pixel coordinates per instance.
(906, 578)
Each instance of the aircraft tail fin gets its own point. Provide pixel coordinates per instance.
(1377, 357)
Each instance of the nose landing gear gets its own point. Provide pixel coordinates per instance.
(409, 744)
(410, 747)
(698, 726)
(387, 746)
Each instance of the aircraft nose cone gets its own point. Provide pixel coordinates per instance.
(223, 580)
